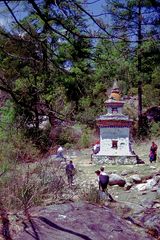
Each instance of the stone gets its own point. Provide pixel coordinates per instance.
(115, 179)
(102, 159)
(75, 221)
(136, 178)
(124, 173)
(152, 223)
(158, 192)
(128, 185)
(146, 186)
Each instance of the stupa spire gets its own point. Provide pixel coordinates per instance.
(115, 92)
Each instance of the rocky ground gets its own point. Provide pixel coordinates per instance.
(80, 220)
(134, 215)
(136, 188)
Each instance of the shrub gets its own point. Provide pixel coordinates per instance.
(90, 193)
(85, 140)
(150, 96)
(18, 148)
(130, 111)
(133, 91)
(68, 135)
(27, 186)
(40, 137)
(155, 129)
(144, 130)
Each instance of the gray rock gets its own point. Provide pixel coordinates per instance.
(136, 178)
(124, 173)
(128, 185)
(115, 179)
(146, 186)
(158, 192)
(151, 221)
(75, 221)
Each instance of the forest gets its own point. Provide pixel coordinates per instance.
(58, 61)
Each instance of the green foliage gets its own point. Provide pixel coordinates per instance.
(130, 110)
(156, 76)
(133, 91)
(17, 148)
(111, 64)
(39, 137)
(68, 136)
(79, 136)
(26, 193)
(151, 57)
(98, 88)
(155, 129)
(55, 69)
(85, 140)
(7, 113)
(14, 146)
(143, 131)
(151, 96)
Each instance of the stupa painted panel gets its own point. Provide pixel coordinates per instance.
(109, 136)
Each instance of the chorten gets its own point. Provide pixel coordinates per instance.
(114, 129)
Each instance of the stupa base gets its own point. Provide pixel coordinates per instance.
(101, 159)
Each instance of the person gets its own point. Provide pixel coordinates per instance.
(70, 171)
(153, 152)
(95, 149)
(102, 172)
(60, 151)
(151, 156)
(103, 180)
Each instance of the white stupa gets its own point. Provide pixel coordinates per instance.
(114, 128)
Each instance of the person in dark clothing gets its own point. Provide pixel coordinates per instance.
(103, 180)
(153, 152)
(70, 171)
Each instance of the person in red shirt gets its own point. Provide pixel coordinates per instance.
(153, 152)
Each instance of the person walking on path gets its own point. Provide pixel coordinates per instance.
(60, 152)
(70, 171)
(153, 152)
(103, 180)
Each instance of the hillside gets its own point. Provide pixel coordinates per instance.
(138, 207)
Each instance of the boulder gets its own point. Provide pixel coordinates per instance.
(124, 173)
(136, 178)
(153, 226)
(115, 179)
(158, 192)
(151, 221)
(146, 186)
(128, 185)
(75, 221)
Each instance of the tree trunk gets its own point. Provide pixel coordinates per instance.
(139, 65)
(139, 106)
